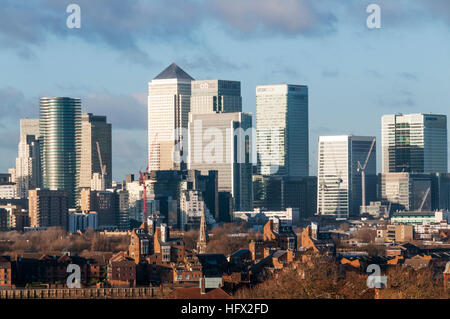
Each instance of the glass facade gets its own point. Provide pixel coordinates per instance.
(60, 129)
(282, 130)
(414, 143)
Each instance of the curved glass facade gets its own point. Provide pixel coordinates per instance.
(60, 129)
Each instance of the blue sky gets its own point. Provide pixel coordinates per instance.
(354, 74)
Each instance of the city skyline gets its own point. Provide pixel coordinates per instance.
(367, 74)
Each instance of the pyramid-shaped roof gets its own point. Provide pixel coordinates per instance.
(173, 71)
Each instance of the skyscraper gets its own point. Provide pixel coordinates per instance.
(414, 143)
(216, 96)
(95, 129)
(28, 170)
(223, 142)
(60, 130)
(168, 108)
(338, 178)
(282, 131)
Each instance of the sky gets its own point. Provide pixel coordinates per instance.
(354, 74)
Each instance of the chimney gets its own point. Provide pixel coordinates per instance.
(202, 285)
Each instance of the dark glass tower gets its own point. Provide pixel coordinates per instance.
(60, 129)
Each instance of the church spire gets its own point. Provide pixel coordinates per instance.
(203, 235)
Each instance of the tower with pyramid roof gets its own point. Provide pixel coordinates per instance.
(169, 96)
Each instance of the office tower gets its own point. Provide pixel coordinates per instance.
(282, 131)
(95, 131)
(415, 143)
(407, 191)
(339, 191)
(48, 208)
(215, 96)
(168, 108)
(60, 130)
(28, 163)
(441, 191)
(277, 193)
(223, 142)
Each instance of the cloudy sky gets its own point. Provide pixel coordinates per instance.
(354, 74)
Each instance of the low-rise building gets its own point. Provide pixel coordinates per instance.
(420, 217)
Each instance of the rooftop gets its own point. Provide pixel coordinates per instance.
(173, 71)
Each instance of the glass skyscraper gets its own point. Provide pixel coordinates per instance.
(216, 96)
(60, 130)
(414, 143)
(282, 131)
(169, 97)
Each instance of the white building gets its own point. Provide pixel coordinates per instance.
(339, 182)
(192, 207)
(168, 109)
(420, 217)
(8, 191)
(415, 143)
(28, 171)
(282, 130)
(289, 217)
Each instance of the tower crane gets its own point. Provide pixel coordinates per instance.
(424, 199)
(362, 169)
(102, 166)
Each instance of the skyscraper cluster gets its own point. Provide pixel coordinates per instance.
(206, 160)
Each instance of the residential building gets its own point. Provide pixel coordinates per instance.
(8, 190)
(15, 218)
(168, 108)
(339, 191)
(396, 233)
(60, 131)
(96, 146)
(414, 143)
(48, 208)
(282, 130)
(104, 203)
(82, 221)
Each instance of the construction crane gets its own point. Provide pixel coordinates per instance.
(362, 170)
(339, 181)
(147, 172)
(424, 199)
(322, 186)
(102, 166)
